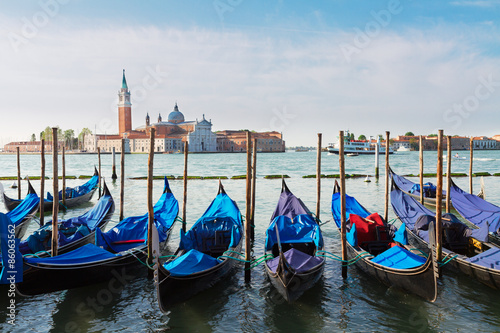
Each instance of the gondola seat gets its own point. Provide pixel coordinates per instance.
(372, 233)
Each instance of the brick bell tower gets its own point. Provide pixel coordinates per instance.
(124, 108)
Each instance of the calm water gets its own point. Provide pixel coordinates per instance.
(356, 304)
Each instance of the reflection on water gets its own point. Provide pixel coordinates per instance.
(356, 304)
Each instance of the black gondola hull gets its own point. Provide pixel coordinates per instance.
(421, 281)
(22, 227)
(10, 203)
(172, 290)
(487, 276)
(46, 278)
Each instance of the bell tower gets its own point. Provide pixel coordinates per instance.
(124, 108)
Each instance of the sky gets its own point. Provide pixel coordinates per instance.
(297, 67)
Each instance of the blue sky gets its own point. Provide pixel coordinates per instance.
(300, 67)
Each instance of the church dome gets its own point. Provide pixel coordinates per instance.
(176, 116)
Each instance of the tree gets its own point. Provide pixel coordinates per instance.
(352, 136)
(47, 134)
(362, 137)
(82, 135)
(409, 134)
(33, 137)
(68, 138)
(432, 135)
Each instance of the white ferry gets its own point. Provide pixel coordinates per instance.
(358, 146)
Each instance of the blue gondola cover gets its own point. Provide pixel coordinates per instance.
(69, 230)
(400, 258)
(29, 203)
(302, 229)
(191, 262)
(84, 254)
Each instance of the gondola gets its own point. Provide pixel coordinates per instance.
(379, 250)
(196, 265)
(293, 238)
(115, 253)
(413, 189)
(75, 196)
(73, 232)
(23, 214)
(466, 249)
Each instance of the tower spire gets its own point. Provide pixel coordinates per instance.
(124, 81)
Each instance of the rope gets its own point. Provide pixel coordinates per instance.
(442, 262)
(421, 252)
(29, 255)
(260, 260)
(144, 263)
(167, 256)
(253, 263)
(179, 219)
(392, 221)
(349, 262)
(330, 220)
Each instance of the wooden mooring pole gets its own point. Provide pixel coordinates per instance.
(318, 177)
(254, 178)
(439, 195)
(248, 226)
(63, 162)
(185, 183)
(18, 174)
(113, 170)
(55, 190)
(122, 178)
(448, 173)
(386, 205)
(342, 205)
(421, 167)
(151, 215)
(377, 153)
(470, 163)
(42, 182)
(99, 162)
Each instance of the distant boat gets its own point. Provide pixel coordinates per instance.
(352, 154)
(403, 148)
(367, 179)
(365, 147)
(301, 149)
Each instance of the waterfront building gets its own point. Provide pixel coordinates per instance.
(483, 142)
(236, 141)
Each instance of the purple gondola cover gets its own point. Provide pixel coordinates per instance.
(289, 205)
(475, 209)
(298, 260)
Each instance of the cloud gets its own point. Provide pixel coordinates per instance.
(297, 83)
